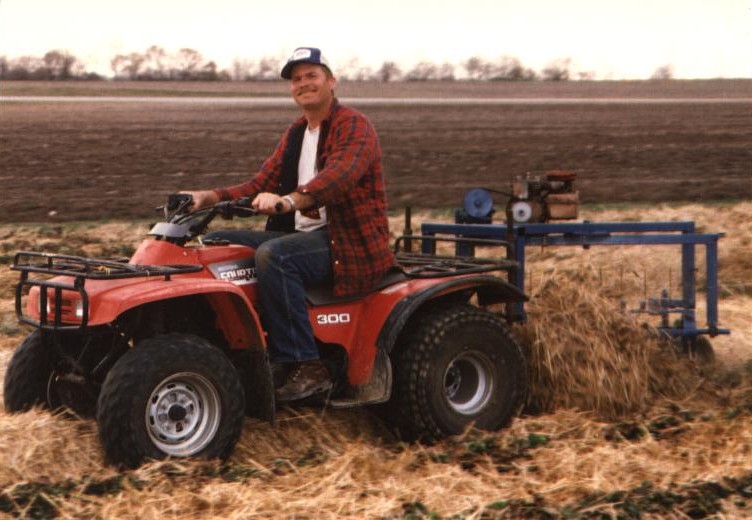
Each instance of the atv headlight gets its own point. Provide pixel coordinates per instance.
(71, 309)
(79, 309)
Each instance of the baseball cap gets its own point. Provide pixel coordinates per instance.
(304, 55)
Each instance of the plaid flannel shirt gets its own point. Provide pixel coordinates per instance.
(350, 183)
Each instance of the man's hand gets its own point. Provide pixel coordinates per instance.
(202, 199)
(266, 203)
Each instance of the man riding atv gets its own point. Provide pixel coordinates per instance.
(170, 349)
(323, 189)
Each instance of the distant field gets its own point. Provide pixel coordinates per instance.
(90, 160)
(568, 89)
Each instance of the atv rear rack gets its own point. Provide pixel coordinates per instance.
(79, 269)
(421, 265)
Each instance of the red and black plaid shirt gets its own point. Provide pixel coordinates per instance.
(350, 183)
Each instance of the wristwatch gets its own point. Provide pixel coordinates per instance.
(291, 201)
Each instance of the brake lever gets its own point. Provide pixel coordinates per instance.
(177, 203)
(239, 207)
(243, 208)
(224, 209)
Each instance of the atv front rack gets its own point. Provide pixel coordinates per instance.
(79, 269)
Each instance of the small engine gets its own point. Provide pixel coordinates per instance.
(536, 200)
(532, 200)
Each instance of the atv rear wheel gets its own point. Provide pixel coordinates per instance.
(457, 366)
(172, 395)
(28, 375)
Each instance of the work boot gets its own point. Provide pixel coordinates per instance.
(305, 379)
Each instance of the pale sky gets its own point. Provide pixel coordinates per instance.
(615, 39)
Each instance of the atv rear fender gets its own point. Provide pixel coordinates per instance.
(489, 290)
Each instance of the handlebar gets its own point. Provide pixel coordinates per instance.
(183, 224)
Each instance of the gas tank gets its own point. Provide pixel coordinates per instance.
(228, 262)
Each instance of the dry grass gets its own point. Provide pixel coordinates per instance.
(617, 424)
(588, 355)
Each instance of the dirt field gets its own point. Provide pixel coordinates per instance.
(78, 161)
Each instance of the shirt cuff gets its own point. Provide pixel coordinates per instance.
(223, 194)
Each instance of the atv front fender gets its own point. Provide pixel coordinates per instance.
(489, 289)
(236, 317)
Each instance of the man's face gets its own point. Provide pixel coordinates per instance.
(311, 86)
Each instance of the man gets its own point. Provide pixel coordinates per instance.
(323, 188)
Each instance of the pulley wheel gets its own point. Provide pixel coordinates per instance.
(478, 203)
(522, 211)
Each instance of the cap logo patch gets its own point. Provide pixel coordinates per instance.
(301, 54)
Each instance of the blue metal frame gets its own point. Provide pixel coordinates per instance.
(587, 234)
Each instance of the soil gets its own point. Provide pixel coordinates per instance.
(87, 160)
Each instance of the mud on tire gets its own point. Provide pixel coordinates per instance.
(171, 395)
(456, 366)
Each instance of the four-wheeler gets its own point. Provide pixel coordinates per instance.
(168, 351)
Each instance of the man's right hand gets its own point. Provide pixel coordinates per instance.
(202, 199)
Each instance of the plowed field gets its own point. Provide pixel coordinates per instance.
(638, 142)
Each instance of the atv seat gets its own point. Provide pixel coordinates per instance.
(322, 294)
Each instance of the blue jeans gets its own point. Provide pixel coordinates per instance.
(285, 264)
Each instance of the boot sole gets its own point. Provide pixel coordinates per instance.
(321, 388)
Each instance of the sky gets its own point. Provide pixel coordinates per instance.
(612, 39)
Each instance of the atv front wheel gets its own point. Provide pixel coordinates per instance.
(28, 375)
(457, 366)
(173, 395)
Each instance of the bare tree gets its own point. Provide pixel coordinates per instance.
(474, 68)
(358, 71)
(509, 68)
(423, 71)
(187, 62)
(445, 72)
(208, 72)
(558, 70)
(267, 69)
(127, 66)
(58, 64)
(663, 73)
(154, 63)
(389, 71)
(241, 69)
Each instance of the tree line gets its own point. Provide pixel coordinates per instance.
(156, 64)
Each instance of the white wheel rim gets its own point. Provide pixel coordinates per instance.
(183, 414)
(468, 383)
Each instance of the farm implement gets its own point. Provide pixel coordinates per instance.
(532, 206)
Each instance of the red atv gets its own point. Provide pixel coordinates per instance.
(167, 349)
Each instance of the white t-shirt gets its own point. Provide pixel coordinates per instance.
(307, 170)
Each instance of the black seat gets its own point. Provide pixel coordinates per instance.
(322, 295)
